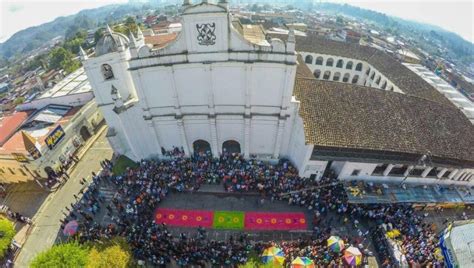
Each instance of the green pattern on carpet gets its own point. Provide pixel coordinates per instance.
(228, 220)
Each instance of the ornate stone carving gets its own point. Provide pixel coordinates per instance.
(206, 34)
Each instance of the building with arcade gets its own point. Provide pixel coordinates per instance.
(321, 104)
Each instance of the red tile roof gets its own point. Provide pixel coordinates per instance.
(9, 124)
(160, 40)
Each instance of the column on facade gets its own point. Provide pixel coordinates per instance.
(247, 137)
(453, 173)
(441, 173)
(155, 139)
(214, 143)
(182, 135)
(281, 125)
(388, 169)
(426, 171)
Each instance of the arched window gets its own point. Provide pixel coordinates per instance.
(107, 72)
(337, 76)
(349, 65)
(372, 76)
(340, 63)
(319, 61)
(329, 62)
(317, 73)
(384, 84)
(346, 77)
(231, 146)
(201, 146)
(368, 72)
(377, 81)
(359, 66)
(309, 59)
(355, 79)
(326, 75)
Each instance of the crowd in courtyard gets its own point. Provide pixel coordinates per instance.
(140, 191)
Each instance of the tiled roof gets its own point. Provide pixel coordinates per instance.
(10, 123)
(355, 117)
(160, 40)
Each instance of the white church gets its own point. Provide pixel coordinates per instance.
(213, 89)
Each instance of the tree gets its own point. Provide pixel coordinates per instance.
(7, 232)
(115, 253)
(64, 59)
(19, 100)
(62, 255)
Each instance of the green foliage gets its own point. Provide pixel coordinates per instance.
(7, 232)
(115, 253)
(19, 100)
(121, 165)
(110, 253)
(62, 255)
(64, 59)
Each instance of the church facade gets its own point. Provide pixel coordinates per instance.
(209, 89)
(213, 90)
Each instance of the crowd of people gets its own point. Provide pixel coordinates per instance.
(140, 190)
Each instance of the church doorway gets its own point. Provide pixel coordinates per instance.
(201, 146)
(85, 134)
(50, 172)
(231, 146)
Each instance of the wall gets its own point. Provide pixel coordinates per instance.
(364, 75)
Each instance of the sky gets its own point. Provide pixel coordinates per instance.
(453, 15)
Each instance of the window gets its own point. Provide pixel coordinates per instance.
(368, 72)
(11, 171)
(329, 62)
(433, 172)
(446, 174)
(378, 80)
(355, 79)
(380, 169)
(346, 77)
(327, 74)
(384, 84)
(22, 172)
(349, 65)
(309, 59)
(398, 170)
(359, 67)
(390, 88)
(319, 61)
(317, 74)
(340, 64)
(355, 172)
(417, 171)
(372, 76)
(107, 72)
(337, 76)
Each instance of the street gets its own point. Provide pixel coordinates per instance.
(47, 224)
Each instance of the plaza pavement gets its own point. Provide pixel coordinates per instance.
(46, 220)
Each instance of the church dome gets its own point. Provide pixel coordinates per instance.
(110, 42)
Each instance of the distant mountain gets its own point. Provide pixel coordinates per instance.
(34, 37)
